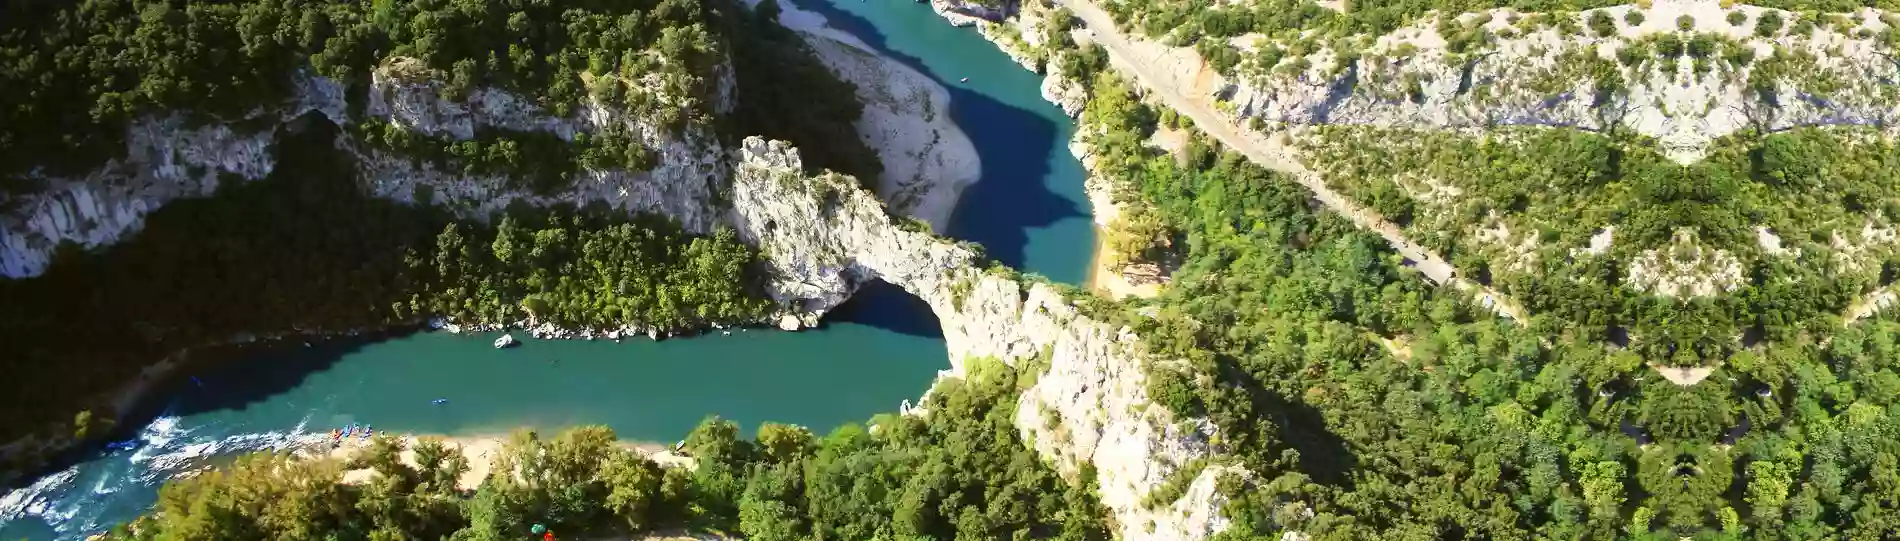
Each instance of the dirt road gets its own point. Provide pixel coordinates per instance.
(1181, 81)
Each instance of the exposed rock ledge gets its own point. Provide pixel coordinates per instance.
(1096, 381)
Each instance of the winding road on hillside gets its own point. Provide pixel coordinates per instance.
(1173, 75)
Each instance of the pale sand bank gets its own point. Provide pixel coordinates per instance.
(481, 452)
(928, 160)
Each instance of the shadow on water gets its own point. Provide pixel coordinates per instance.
(881, 305)
(253, 375)
(1014, 143)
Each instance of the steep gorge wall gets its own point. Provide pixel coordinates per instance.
(167, 159)
(1523, 74)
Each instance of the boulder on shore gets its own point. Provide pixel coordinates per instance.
(790, 322)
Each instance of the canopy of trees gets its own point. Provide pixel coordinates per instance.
(1369, 405)
(73, 73)
(959, 473)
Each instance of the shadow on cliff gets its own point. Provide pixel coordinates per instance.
(1015, 144)
(884, 306)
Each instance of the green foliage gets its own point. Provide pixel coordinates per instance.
(1602, 24)
(1737, 18)
(538, 161)
(961, 473)
(1768, 24)
(1368, 406)
(83, 70)
(786, 93)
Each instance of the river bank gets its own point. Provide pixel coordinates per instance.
(1021, 35)
(481, 451)
(928, 160)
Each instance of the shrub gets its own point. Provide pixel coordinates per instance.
(1601, 24)
(1768, 24)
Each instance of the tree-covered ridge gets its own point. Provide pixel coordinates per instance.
(83, 70)
(1367, 405)
(1771, 238)
(305, 250)
(958, 473)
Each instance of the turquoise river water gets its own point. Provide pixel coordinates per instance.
(883, 347)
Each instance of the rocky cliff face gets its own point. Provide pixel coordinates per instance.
(1091, 406)
(1525, 74)
(168, 159)
(690, 162)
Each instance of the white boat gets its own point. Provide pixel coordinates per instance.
(506, 341)
(966, 79)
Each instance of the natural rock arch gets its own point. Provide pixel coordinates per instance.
(823, 237)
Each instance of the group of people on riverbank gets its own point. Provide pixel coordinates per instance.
(337, 436)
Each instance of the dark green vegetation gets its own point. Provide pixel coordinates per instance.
(1554, 190)
(83, 70)
(1212, 20)
(1369, 405)
(304, 249)
(960, 473)
(785, 93)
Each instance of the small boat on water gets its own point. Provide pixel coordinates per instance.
(439, 401)
(124, 445)
(966, 79)
(506, 341)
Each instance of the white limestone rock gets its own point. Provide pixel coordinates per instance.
(1096, 378)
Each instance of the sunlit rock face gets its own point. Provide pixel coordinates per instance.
(1090, 404)
(1685, 88)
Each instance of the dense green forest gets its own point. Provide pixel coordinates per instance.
(83, 70)
(958, 473)
(1369, 405)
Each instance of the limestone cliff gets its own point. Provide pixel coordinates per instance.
(168, 158)
(681, 186)
(1091, 404)
(1683, 87)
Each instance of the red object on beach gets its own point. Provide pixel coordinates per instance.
(548, 536)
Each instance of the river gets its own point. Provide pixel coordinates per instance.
(1028, 210)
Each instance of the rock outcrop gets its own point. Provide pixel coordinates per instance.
(1091, 406)
(1683, 88)
(167, 159)
(690, 161)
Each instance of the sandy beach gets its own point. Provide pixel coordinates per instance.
(480, 450)
(928, 160)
